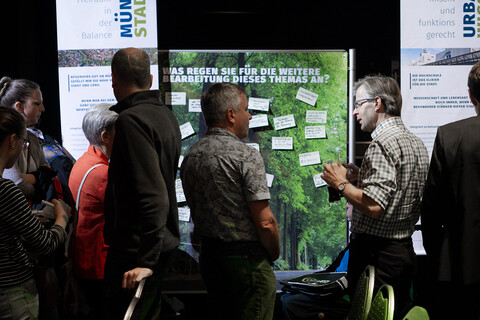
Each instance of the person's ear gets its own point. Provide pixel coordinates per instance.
(12, 140)
(19, 106)
(231, 115)
(379, 106)
(472, 98)
(151, 81)
(114, 80)
(105, 136)
(474, 101)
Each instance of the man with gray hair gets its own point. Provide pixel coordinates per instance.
(89, 250)
(225, 185)
(386, 192)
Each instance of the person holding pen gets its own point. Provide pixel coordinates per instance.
(386, 192)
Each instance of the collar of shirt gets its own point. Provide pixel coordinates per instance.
(36, 132)
(390, 122)
(134, 99)
(220, 132)
(99, 154)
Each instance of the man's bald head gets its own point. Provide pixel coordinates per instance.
(131, 67)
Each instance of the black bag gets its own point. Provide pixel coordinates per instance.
(307, 307)
(320, 284)
(56, 282)
(319, 295)
(58, 158)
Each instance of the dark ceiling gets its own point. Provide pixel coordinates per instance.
(371, 27)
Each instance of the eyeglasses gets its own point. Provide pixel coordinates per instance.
(25, 143)
(359, 103)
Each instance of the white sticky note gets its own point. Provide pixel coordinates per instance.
(179, 191)
(186, 130)
(314, 116)
(319, 182)
(258, 104)
(176, 98)
(254, 145)
(309, 158)
(307, 96)
(184, 214)
(284, 122)
(180, 160)
(194, 105)
(270, 180)
(282, 143)
(315, 132)
(260, 120)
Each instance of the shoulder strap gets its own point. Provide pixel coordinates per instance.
(83, 180)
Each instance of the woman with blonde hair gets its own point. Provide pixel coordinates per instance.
(25, 96)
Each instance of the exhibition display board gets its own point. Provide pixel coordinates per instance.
(439, 44)
(298, 100)
(88, 35)
(298, 103)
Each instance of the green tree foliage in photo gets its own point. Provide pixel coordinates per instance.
(312, 230)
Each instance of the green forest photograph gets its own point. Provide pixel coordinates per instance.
(299, 102)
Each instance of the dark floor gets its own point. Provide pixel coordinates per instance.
(192, 304)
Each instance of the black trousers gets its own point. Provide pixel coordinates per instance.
(116, 299)
(394, 262)
(91, 298)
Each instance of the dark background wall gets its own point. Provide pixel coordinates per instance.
(29, 47)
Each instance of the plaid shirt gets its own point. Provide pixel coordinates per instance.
(393, 174)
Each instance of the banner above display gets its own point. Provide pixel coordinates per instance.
(89, 33)
(439, 44)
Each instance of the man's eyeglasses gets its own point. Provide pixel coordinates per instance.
(358, 103)
(25, 143)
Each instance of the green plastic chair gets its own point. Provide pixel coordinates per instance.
(383, 305)
(362, 298)
(417, 313)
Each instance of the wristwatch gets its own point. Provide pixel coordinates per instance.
(341, 186)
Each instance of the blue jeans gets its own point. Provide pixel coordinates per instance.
(20, 302)
(239, 287)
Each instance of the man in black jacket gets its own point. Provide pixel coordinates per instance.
(141, 215)
(451, 213)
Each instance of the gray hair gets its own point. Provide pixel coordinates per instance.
(384, 87)
(19, 90)
(218, 98)
(97, 119)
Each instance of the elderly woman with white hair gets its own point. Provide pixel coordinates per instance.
(87, 182)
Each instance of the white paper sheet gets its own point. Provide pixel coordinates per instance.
(309, 158)
(284, 122)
